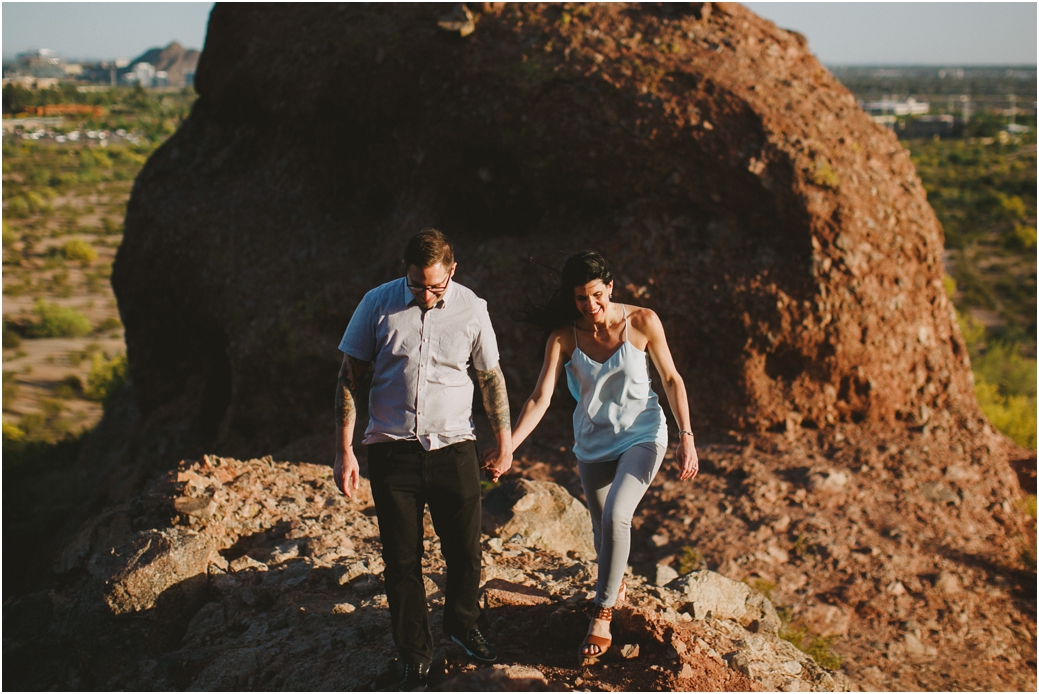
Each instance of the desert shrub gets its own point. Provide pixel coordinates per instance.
(17, 208)
(1027, 505)
(1020, 238)
(48, 425)
(27, 203)
(78, 249)
(12, 340)
(111, 226)
(57, 321)
(77, 358)
(108, 324)
(105, 379)
(1014, 415)
(38, 177)
(1001, 364)
(10, 388)
(819, 647)
(25, 455)
(69, 387)
(64, 179)
(10, 238)
(763, 586)
(691, 560)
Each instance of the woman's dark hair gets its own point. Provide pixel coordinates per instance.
(579, 269)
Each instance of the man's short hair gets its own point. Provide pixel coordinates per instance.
(427, 248)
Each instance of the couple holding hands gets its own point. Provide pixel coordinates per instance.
(420, 333)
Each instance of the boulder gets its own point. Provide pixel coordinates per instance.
(783, 237)
(706, 595)
(543, 514)
(154, 562)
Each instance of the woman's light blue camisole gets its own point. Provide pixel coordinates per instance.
(616, 405)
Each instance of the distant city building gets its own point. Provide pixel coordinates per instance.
(142, 74)
(886, 107)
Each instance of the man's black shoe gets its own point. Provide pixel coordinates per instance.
(476, 646)
(415, 677)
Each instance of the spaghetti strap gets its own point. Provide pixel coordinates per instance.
(623, 308)
(576, 346)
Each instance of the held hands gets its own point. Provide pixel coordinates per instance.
(495, 463)
(688, 461)
(346, 471)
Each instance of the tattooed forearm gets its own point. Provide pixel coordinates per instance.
(346, 411)
(347, 386)
(495, 399)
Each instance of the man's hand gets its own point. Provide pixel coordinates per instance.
(494, 463)
(346, 472)
(688, 461)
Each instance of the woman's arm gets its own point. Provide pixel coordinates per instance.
(674, 388)
(537, 404)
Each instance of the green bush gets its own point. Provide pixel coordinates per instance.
(105, 379)
(12, 340)
(57, 321)
(819, 647)
(1004, 382)
(10, 238)
(1002, 365)
(27, 203)
(38, 177)
(1014, 415)
(1020, 238)
(11, 388)
(111, 226)
(65, 179)
(17, 208)
(69, 387)
(107, 325)
(78, 249)
(24, 454)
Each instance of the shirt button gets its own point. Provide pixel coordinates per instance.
(425, 340)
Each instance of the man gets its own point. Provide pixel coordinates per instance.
(421, 332)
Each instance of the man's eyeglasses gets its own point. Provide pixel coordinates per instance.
(434, 289)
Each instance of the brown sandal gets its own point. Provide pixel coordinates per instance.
(600, 642)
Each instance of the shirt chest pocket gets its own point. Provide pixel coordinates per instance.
(450, 358)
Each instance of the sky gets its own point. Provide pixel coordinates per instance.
(102, 30)
(945, 33)
(937, 33)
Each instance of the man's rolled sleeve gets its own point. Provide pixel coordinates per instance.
(485, 345)
(359, 339)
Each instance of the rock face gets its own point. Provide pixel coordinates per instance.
(543, 514)
(784, 239)
(152, 563)
(281, 589)
(709, 595)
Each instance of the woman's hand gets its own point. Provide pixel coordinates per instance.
(688, 461)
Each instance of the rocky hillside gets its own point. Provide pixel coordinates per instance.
(230, 575)
(174, 59)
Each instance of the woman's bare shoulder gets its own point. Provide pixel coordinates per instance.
(564, 337)
(642, 318)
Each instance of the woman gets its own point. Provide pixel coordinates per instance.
(619, 429)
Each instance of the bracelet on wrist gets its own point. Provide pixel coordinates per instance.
(683, 431)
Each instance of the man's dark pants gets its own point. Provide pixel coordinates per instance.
(404, 478)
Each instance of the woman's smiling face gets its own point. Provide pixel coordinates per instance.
(593, 299)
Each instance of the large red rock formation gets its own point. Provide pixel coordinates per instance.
(739, 191)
